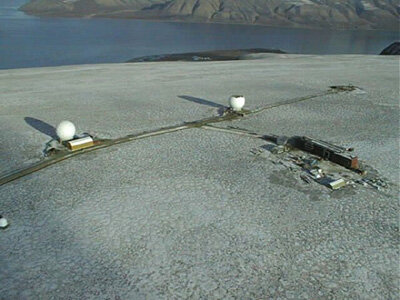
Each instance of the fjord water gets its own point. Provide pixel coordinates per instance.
(27, 41)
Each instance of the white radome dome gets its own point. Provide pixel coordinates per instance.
(66, 130)
(236, 102)
(3, 222)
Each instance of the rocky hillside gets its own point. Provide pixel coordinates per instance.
(366, 14)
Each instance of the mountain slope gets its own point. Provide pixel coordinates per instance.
(368, 14)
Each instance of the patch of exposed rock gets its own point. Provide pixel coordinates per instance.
(216, 55)
(392, 49)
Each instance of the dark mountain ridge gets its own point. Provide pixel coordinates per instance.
(342, 14)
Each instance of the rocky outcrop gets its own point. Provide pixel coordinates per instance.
(216, 55)
(392, 49)
(367, 14)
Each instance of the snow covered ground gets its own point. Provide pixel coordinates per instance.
(194, 213)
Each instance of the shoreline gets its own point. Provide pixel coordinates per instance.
(248, 57)
(136, 60)
(171, 20)
(203, 56)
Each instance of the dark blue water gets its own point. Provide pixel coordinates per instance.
(27, 41)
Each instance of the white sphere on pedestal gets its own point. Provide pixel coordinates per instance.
(236, 102)
(66, 130)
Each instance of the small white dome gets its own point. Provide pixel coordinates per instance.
(237, 102)
(66, 130)
(3, 222)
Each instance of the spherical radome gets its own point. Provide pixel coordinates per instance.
(3, 222)
(237, 102)
(66, 130)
